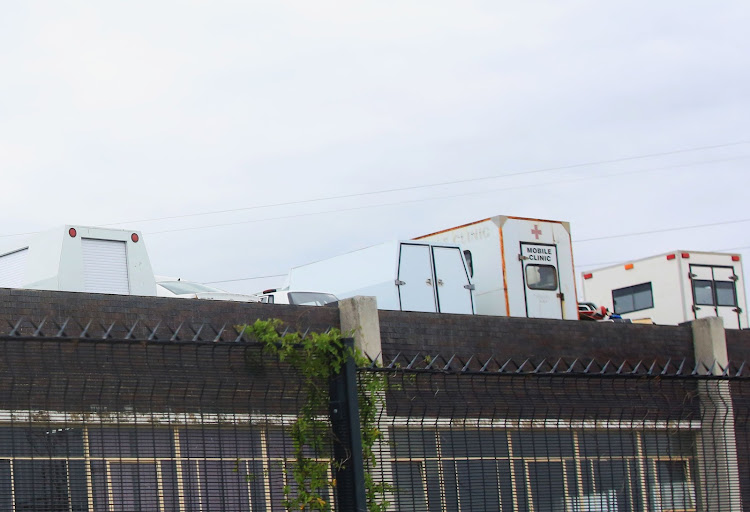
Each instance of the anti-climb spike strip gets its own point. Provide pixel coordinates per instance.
(432, 361)
(411, 365)
(448, 364)
(485, 365)
(520, 368)
(740, 370)
(374, 362)
(394, 360)
(131, 331)
(14, 331)
(218, 334)
(572, 366)
(38, 331)
(152, 336)
(61, 331)
(107, 330)
(502, 368)
(176, 333)
(197, 336)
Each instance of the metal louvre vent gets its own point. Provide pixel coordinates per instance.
(105, 266)
(13, 269)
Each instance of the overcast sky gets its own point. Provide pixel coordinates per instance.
(151, 115)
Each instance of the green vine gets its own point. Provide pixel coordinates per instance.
(317, 358)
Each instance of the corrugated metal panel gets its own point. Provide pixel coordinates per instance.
(105, 266)
(13, 269)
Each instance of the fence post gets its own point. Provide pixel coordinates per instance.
(344, 413)
(718, 471)
(359, 316)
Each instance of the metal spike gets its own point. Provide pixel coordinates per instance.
(536, 370)
(502, 368)
(411, 365)
(107, 331)
(175, 334)
(432, 361)
(448, 364)
(588, 367)
(240, 337)
(197, 336)
(665, 370)
(85, 331)
(38, 331)
(466, 366)
(635, 370)
(61, 331)
(131, 331)
(682, 366)
(393, 362)
(304, 335)
(218, 334)
(651, 368)
(572, 366)
(286, 330)
(621, 367)
(374, 362)
(16, 328)
(485, 365)
(152, 336)
(741, 369)
(606, 365)
(520, 368)
(554, 368)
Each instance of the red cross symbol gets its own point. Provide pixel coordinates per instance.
(536, 231)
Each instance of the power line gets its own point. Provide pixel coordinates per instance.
(680, 228)
(449, 196)
(454, 182)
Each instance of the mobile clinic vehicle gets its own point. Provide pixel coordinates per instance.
(80, 259)
(520, 267)
(672, 288)
(407, 276)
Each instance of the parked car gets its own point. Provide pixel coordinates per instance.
(300, 298)
(183, 289)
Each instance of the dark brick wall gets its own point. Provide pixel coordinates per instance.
(521, 338)
(738, 345)
(127, 309)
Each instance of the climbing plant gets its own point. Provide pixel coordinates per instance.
(318, 357)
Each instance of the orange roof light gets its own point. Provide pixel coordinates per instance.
(629, 266)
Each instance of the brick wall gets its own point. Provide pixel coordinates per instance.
(522, 338)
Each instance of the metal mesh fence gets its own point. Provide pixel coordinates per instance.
(570, 437)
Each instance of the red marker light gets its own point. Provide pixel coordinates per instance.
(735, 258)
(671, 256)
(685, 255)
(588, 276)
(72, 232)
(134, 237)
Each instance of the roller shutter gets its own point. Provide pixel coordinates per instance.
(105, 266)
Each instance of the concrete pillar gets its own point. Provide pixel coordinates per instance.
(718, 473)
(359, 318)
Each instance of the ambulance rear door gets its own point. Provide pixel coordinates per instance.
(541, 280)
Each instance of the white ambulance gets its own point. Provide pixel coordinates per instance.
(401, 275)
(519, 267)
(672, 288)
(80, 259)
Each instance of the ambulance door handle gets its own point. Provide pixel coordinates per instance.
(734, 278)
(400, 283)
(429, 281)
(696, 308)
(470, 287)
(521, 257)
(561, 296)
(737, 310)
(440, 282)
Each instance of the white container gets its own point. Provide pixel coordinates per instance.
(520, 267)
(672, 288)
(407, 276)
(80, 259)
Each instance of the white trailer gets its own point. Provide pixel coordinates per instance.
(80, 259)
(672, 288)
(520, 267)
(402, 275)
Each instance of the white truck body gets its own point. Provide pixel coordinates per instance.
(672, 288)
(80, 259)
(402, 275)
(520, 267)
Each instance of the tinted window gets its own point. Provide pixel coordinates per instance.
(725, 295)
(703, 292)
(633, 298)
(541, 277)
(181, 287)
(311, 298)
(469, 262)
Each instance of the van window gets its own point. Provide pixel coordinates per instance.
(633, 298)
(725, 293)
(541, 277)
(703, 291)
(469, 262)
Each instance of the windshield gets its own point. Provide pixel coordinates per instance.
(311, 298)
(182, 287)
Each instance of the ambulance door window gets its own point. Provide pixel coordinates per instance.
(703, 291)
(541, 277)
(725, 294)
(469, 262)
